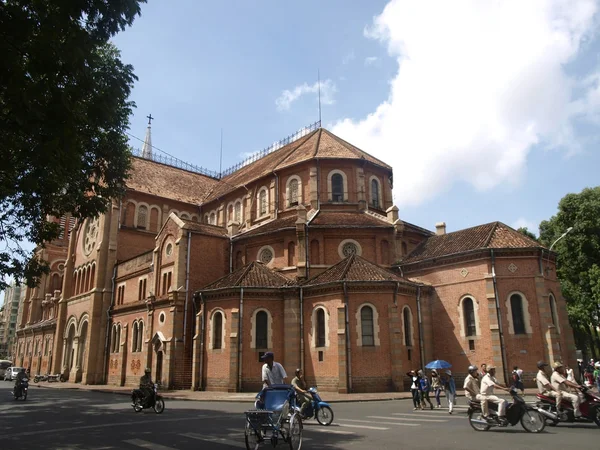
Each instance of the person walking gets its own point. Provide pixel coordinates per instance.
(597, 375)
(415, 389)
(450, 391)
(436, 385)
(425, 388)
(516, 380)
(570, 374)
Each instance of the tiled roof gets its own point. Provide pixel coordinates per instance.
(212, 230)
(490, 235)
(354, 268)
(318, 144)
(270, 226)
(161, 180)
(344, 219)
(255, 274)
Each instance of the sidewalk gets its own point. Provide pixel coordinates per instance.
(211, 396)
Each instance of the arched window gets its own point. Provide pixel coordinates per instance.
(230, 213)
(375, 193)
(291, 254)
(516, 306)
(56, 283)
(217, 330)
(213, 219)
(293, 187)
(238, 212)
(134, 337)
(320, 331)
(262, 202)
(407, 319)
(92, 276)
(142, 217)
(366, 326)
(140, 335)
(553, 314)
(337, 187)
(315, 254)
(469, 317)
(262, 330)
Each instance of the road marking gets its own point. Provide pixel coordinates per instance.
(361, 426)
(405, 418)
(147, 444)
(385, 423)
(447, 416)
(215, 440)
(328, 430)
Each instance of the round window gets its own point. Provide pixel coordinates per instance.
(161, 317)
(169, 249)
(349, 248)
(266, 255)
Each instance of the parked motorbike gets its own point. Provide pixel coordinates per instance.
(318, 409)
(532, 420)
(20, 390)
(155, 401)
(589, 407)
(38, 378)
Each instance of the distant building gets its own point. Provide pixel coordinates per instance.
(299, 251)
(13, 297)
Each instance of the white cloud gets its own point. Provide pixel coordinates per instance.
(370, 60)
(529, 224)
(478, 85)
(287, 97)
(349, 57)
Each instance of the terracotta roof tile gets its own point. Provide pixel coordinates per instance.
(165, 181)
(354, 268)
(347, 219)
(270, 226)
(255, 274)
(331, 146)
(212, 230)
(490, 235)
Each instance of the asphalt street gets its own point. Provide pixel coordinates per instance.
(70, 419)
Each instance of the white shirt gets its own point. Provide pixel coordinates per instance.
(487, 385)
(275, 375)
(558, 381)
(472, 383)
(542, 380)
(570, 375)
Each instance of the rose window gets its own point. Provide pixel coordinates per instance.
(91, 235)
(349, 249)
(266, 256)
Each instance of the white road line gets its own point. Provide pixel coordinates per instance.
(447, 416)
(405, 418)
(214, 439)
(361, 426)
(146, 444)
(385, 423)
(327, 430)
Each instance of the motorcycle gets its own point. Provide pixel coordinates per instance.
(589, 407)
(532, 420)
(317, 408)
(20, 391)
(155, 401)
(38, 378)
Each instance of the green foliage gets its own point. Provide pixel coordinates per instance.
(578, 254)
(526, 232)
(64, 111)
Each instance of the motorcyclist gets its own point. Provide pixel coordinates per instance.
(303, 396)
(471, 387)
(488, 383)
(22, 374)
(544, 386)
(560, 383)
(146, 386)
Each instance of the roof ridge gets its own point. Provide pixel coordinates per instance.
(490, 234)
(317, 143)
(357, 151)
(244, 273)
(294, 148)
(346, 269)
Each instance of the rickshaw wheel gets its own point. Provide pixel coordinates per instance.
(252, 441)
(295, 432)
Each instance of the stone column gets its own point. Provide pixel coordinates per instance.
(342, 363)
(360, 188)
(494, 329)
(197, 354)
(314, 202)
(234, 362)
(75, 373)
(396, 354)
(292, 358)
(64, 356)
(149, 329)
(248, 209)
(301, 270)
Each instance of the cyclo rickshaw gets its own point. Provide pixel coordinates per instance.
(275, 417)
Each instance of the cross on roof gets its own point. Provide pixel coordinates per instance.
(150, 119)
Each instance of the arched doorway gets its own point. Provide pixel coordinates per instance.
(68, 357)
(82, 350)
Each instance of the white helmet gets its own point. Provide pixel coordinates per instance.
(597, 365)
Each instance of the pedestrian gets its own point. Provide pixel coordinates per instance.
(436, 385)
(483, 372)
(415, 389)
(450, 390)
(272, 372)
(597, 375)
(570, 374)
(516, 380)
(425, 388)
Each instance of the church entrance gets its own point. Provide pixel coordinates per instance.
(159, 361)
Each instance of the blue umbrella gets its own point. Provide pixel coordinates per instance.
(438, 364)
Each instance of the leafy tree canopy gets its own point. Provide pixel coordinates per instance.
(64, 111)
(526, 232)
(578, 254)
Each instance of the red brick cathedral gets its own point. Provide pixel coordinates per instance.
(300, 252)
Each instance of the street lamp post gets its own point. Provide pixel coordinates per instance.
(553, 244)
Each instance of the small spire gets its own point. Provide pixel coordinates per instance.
(147, 149)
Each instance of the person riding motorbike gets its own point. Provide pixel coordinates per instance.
(19, 380)
(471, 387)
(146, 387)
(544, 386)
(560, 383)
(488, 383)
(303, 396)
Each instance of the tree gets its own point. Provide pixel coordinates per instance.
(526, 232)
(64, 111)
(578, 257)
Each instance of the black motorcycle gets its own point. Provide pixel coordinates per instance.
(20, 389)
(517, 411)
(154, 401)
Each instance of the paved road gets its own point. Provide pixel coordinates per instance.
(52, 419)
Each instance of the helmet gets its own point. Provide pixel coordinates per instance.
(541, 364)
(557, 364)
(471, 368)
(492, 367)
(597, 365)
(298, 370)
(147, 370)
